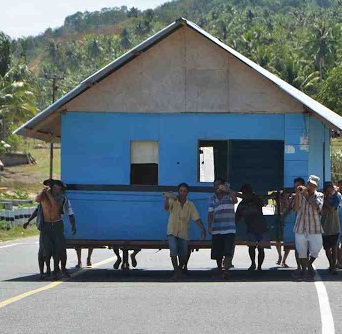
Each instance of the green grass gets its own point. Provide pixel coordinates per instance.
(30, 177)
(18, 232)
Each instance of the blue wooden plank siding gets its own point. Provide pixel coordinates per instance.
(96, 151)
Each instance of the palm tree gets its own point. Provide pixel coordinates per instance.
(17, 100)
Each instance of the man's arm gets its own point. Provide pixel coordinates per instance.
(210, 222)
(33, 215)
(230, 193)
(200, 224)
(296, 202)
(166, 204)
(41, 196)
(67, 210)
(54, 203)
(72, 221)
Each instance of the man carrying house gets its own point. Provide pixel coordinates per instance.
(250, 211)
(53, 204)
(330, 224)
(308, 230)
(221, 221)
(287, 209)
(181, 212)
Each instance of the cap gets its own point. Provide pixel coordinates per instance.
(313, 179)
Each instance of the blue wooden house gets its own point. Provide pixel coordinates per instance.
(180, 107)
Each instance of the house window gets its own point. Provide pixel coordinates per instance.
(257, 162)
(144, 162)
(213, 159)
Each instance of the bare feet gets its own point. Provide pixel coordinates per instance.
(134, 261)
(252, 267)
(116, 265)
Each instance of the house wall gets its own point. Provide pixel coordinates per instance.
(96, 151)
(185, 72)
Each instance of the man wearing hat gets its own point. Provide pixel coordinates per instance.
(308, 230)
(53, 205)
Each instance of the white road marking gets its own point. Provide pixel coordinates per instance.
(328, 326)
(11, 245)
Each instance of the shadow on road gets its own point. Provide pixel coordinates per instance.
(194, 276)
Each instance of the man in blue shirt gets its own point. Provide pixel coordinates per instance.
(221, 221)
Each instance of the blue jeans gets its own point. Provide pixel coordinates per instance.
(178, 246)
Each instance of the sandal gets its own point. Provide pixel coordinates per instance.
(88, 262)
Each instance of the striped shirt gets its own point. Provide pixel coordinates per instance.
(224, 215)
(308, 220)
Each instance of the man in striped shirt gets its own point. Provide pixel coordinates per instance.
(221, 220)
(308, 229)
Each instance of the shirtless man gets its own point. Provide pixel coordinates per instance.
(52, 231)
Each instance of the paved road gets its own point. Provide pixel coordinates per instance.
(146, 301)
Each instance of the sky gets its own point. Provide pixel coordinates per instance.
(22, 18)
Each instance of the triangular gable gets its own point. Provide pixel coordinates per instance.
(180, 69)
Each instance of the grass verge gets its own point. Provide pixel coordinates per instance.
(17, 232)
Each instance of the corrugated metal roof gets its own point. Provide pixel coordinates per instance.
(320, 111)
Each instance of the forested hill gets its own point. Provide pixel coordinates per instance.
(298, 40)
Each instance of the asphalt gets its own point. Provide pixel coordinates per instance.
(146, 300)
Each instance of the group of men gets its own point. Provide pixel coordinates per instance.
(317, 225)
(222, 221)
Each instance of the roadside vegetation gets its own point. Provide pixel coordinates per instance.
(16, 232)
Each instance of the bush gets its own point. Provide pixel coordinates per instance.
(336, 164)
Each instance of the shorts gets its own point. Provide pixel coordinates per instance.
(311, 243)
(52, 241)
(259, 237)
(178, 246)
(329, 241)
(222, 245)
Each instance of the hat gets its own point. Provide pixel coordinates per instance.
(328, 184)
(51, 182)
(48, 182)
(313, 179)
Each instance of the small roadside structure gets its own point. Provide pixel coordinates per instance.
(180, 107)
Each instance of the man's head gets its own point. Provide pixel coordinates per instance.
(246, 189)
(328, 187)
(299, 181)
(57, 186)
(312, 183)
(183, 190)
(217, 183)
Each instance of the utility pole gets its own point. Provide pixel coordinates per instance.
(54, 78)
